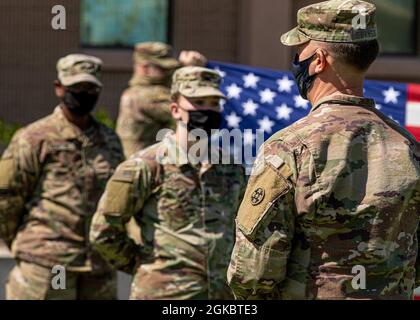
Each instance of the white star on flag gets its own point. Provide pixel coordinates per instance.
(391, 95)
(266, 124)
(251, 80)
(283, 112)
(220, 72)
(248, 137)
(300, 102)
(285, 84)
(233, 91)
(250, 108)
(267, 96)
(222, 104)
(233, 120)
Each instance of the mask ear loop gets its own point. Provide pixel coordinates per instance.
(303, 61)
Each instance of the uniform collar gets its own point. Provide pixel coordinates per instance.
(345, 99)
(69, 131)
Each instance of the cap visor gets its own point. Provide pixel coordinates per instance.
(69, 81)
(203, 92)
(167, 63)
(293, 38)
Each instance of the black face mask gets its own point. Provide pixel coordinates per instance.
(205, 120)
(300, 70)
(81, 103)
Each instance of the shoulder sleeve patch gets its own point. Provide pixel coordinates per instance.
(118, 196)
(124, 175)
(262, 193)
(6, 172)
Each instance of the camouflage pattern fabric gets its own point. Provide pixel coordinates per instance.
(186, 215)
(337, 189)
(29, 281)
(51, 178)
(334, 21)
(145, 105)
(157, 53)
(76, 68)
(144, 110)
(196, 82)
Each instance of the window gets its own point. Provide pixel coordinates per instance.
(116, 23)
(397, 23)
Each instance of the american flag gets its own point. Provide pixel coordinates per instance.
(269, 100)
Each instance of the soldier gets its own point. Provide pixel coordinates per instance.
(332, 208)
(144, 107)
(51, 178)
(185, 206)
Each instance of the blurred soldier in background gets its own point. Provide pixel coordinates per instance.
(51, 178)
(185, 208)
(144, 107)
(332, 209)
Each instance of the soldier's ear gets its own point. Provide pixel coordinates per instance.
(320, 61)
(59, 89)
(176, 111)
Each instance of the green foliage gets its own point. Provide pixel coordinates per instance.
(7, 131)
(103, 117)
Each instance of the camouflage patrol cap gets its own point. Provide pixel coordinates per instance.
(76, 68)
(196, 82)
(157, 53)
(334, 21)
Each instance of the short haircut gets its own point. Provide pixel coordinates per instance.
(359, 55)
(175, 97)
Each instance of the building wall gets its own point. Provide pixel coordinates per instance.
(31, 48)
(207, 26)
(29, 51)
(238, 31)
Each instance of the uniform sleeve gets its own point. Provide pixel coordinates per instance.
(124, 196)
(161, 113)
(125, 127)
(264, 233)
(131, 109)
(19, 172)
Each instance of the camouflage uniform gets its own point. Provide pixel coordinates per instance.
(144, 107)
(340, 188)
(186, 214)
(51, 178)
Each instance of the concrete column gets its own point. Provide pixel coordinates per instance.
(260, 26)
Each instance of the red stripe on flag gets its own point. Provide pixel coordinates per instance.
(415, 131)
(413, 93)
